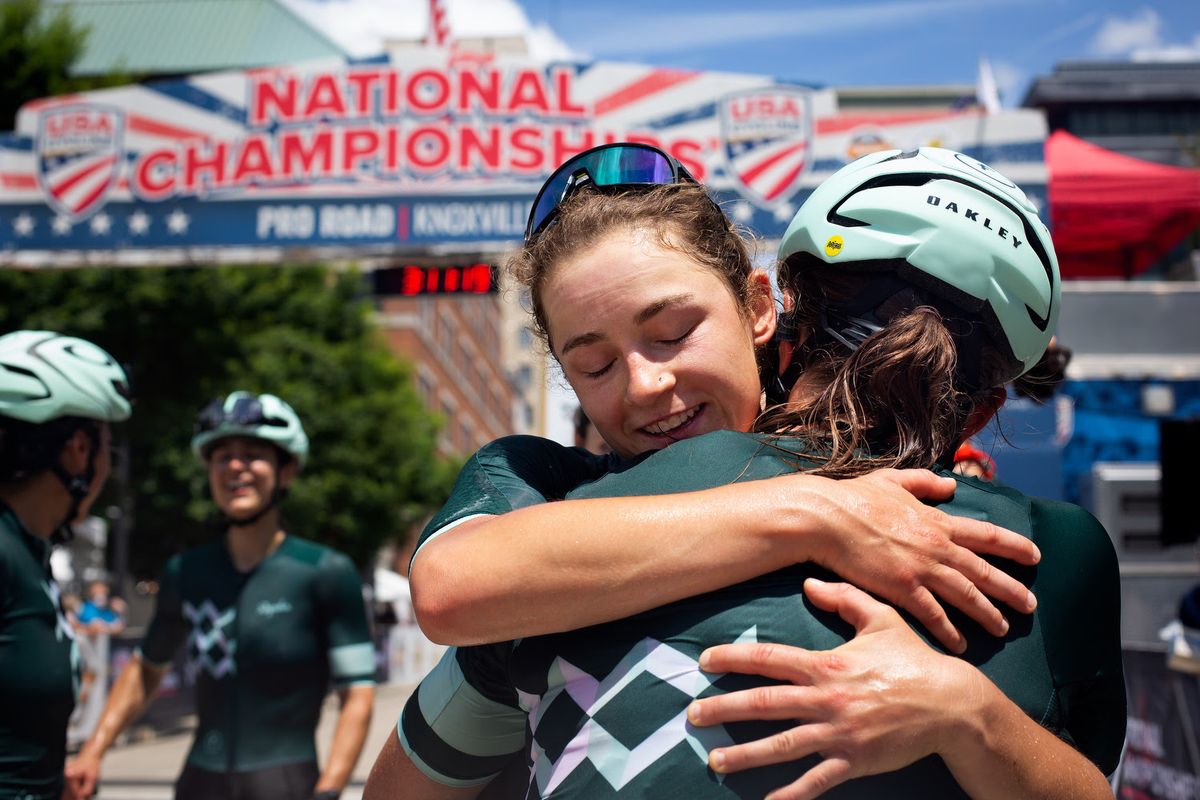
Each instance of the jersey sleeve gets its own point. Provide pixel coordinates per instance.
(510, 473)
(1080, 605)
(168, 628)
(463, 724)
(344, 616)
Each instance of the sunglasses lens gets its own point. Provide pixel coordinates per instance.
(245, 411)
(610, 166)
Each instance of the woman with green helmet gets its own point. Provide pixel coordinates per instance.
(58, 395)
(269, 620)
(902, 354)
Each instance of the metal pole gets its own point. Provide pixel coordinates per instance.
(121, 516)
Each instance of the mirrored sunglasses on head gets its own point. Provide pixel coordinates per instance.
(244, 411)
(609, 166)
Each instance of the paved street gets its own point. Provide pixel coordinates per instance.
(147, 770)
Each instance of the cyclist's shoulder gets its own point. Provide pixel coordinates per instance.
(308, 554)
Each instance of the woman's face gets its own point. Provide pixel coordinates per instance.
(654, 343)
(243, 473)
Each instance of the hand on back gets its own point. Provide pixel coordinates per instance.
(881, 537)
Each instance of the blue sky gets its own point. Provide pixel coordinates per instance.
(839, 42)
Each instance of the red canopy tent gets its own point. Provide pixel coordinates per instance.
(1113, 216)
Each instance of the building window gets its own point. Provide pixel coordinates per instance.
(425, 387)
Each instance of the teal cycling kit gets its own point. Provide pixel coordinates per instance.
(262, 648)
(605, 706)
(39, 667)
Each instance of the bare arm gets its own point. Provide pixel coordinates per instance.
(883, 701)
(130, 695)
(394, 775)
(348, 736)
(475, 583)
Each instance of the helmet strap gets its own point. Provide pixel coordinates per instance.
(276, 498)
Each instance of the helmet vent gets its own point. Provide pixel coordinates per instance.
(32, 376)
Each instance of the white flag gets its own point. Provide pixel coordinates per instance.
(986, 93)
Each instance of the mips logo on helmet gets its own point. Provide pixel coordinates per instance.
(834, 245)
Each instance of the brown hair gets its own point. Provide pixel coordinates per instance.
(681, 217)
(896, 401)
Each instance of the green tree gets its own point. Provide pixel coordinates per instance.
(304, 333)
(37, 51)
(38, 48)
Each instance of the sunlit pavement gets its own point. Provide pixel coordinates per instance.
(147, 770)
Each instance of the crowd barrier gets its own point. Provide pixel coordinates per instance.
(1162, 753)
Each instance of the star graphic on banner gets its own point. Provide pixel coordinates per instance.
(178, 221)
(23, 224)
(61, 225)
(784, 212)
(101, 224)
(139, 223)
(742, 212)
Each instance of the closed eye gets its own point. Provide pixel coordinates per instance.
(680, 338)
(599, 372)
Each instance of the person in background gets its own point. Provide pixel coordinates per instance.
(269, 619)
(969, 460)
(58, 395)
(100, 612)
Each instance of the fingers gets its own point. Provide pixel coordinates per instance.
(779, 661)
(81, 780)
(926, 610)
(851, 603)
(970, 575)
(958, 590)
(760, 703)
(984, 537)
(976, 535)
(818, 780)
(790, 745)
(921, 483)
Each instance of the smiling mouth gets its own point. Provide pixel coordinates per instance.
(665, 427)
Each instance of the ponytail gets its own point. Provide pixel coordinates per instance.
(895, 401)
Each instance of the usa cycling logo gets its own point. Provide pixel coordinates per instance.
(768, 141)
(79, 149)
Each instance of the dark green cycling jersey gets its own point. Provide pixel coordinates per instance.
(515, 472)
(262, 647)
(606, 705)
(39, 667)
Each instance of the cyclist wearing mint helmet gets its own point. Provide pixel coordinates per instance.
(264, 417)
(951, 232)
(900, 364)
(269, 619)
(58, 395)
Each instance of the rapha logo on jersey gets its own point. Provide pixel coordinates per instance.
(768, 141)
(79, 149)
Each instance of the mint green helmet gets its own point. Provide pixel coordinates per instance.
(953, 228)
(45, 376)
(262, 416)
